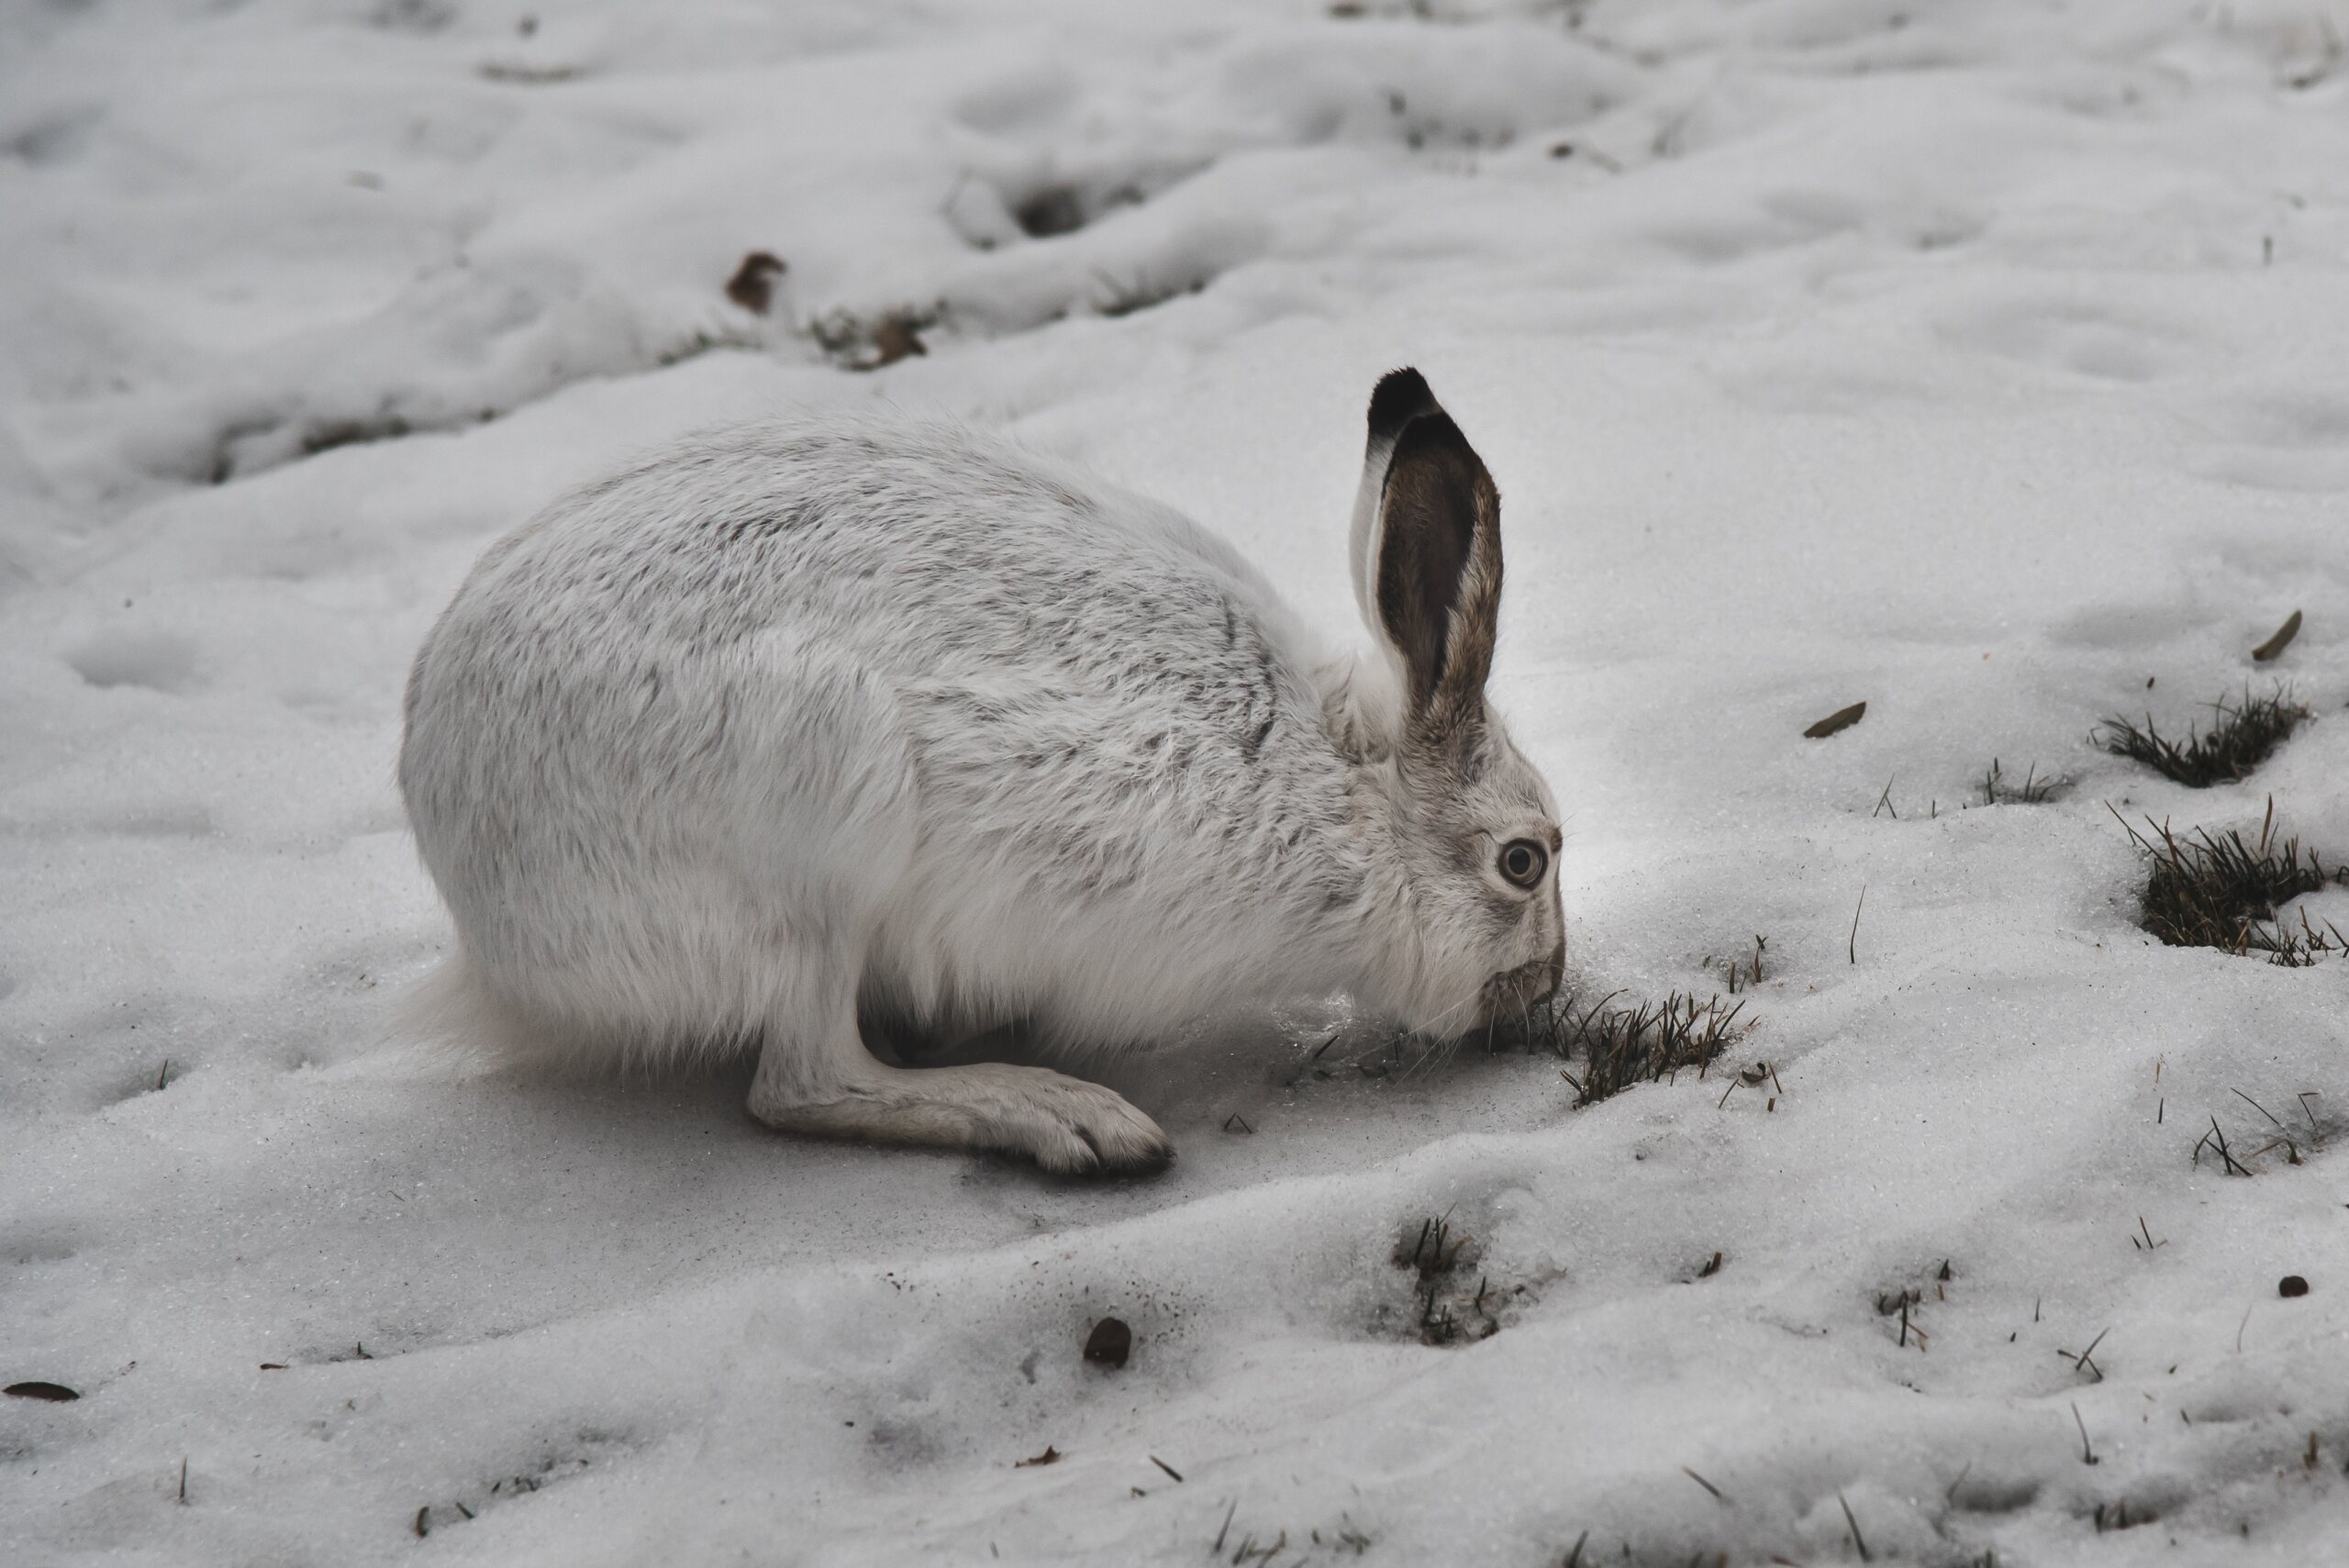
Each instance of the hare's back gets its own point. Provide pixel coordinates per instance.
(918, 547)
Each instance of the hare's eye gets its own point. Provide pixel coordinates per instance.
(1523, 862)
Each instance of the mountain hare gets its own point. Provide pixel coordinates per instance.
(862, 715)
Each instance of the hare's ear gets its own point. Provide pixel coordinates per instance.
(1427, 551)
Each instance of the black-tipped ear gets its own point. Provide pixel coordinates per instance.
(1439, 569)
(1399, 397)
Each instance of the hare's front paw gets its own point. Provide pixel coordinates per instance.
(1065, 1124)
(1062, 1123)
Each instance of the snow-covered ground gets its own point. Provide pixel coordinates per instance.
(1987, 360)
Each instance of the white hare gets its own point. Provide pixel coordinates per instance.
(837, 716)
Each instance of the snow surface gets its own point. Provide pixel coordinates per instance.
(1982, 361)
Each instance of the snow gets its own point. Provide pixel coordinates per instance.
(1982, 361)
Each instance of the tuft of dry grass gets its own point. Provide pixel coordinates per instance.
(2241, 736)
(1998, 789)
(1444, 1312)
(1746, 974)
(1641, 1043)
(2220, 891)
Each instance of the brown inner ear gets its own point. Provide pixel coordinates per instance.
(1437, 496)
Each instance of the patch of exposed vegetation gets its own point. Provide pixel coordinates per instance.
(1998, 789)
(1644, 1043)
(2222, 891)
(2241, 736)
(867, 343)
(1745, 973)
(1904, 1301)
(1344, 1537)
(1446, 1310)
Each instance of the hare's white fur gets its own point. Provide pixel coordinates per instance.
(845, 715)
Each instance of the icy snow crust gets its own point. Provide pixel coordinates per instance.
(1981, 361)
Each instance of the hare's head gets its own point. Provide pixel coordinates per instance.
(1479, 936)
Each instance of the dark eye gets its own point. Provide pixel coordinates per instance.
(1523, 862)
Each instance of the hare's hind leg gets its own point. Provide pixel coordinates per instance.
(815, 1074)
(819, 1079)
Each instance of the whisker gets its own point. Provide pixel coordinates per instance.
(1441, 1044)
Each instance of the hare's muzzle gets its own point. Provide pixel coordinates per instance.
(1513, 992)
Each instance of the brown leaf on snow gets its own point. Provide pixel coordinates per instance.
(752, 285)
(893, 339)
(1841, 718)
(2281, 641)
